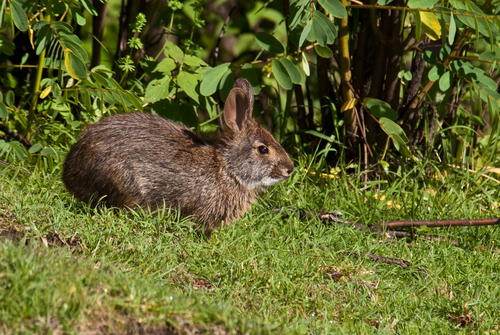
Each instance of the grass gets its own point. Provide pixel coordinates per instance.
(68, 268)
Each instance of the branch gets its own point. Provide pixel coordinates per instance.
(435, 223)
(12, 134)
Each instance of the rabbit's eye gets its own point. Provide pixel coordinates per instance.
(263, 150)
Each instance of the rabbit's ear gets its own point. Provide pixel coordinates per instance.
(247, 87)
(236, 109)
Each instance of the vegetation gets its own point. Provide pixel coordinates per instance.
(71, 268)
(390, 110)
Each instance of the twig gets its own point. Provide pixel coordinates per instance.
(16, 136)
(435, 223)
(215, 54)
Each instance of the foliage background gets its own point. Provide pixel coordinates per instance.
(345, 80)
(388, 107)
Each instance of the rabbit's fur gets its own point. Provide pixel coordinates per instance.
(139, 159)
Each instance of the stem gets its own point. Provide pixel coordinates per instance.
(38, 79)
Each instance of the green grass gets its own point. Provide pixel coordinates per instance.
(68, 268)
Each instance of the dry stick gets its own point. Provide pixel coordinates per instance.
(436, 223)
(381, 227)
(12, 134)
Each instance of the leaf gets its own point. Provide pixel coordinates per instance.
(331, 31)
(305, 33)
(422, 3)
(165, 66)
(78, 15)
(226, 84)
(194, 61)
(35, 148)
(305, 65)
(44, 36)
(334, 7)
(319, 32)
(159, 89)
(445, 81)
(19, 16)
(436, 72)
(6, 46)
(348, 105)
(298, 14)
(210, 79)
(248, 72)
(397, 134)
(281, 75)
(88, 6)
(45, 92)
(431, 25)
(74, 66)
(380, 109)
(134, 100)
(269, 42)
(4, 113)
(418, 26)
(324, 52)
(291, 70)
(298, 65)
(452, 30)
(188, 82)
(173, 51)
(9, 98)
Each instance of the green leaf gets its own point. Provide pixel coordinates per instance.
(9, 98)
(281, 75)
(188, 82)
(88, 6)
(436, 72)
(210, 79)
(291, 70)
(380, 109)
(19, 16)
(35, 148)
(74, 65)
(418, 25)
(249, 73)
(452, 30)
(165, 66)
(78, 15)
(226, 84)
(319, 32)
(422, 3)
(298, 65)
(334, 7)
(324, 52)
(6, 46)
(269, 42)
(173, 51)
(4, 113)
(44, 36)
(397, 134)
(194, 61)
(77, 50)
(305, 33)
(159, 89)
(305, 65)
(298, 14)
(134, 100)
(331, 31)
(445, 81)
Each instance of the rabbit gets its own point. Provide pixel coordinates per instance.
(139, 159)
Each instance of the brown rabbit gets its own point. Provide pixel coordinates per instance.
(140, 159)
